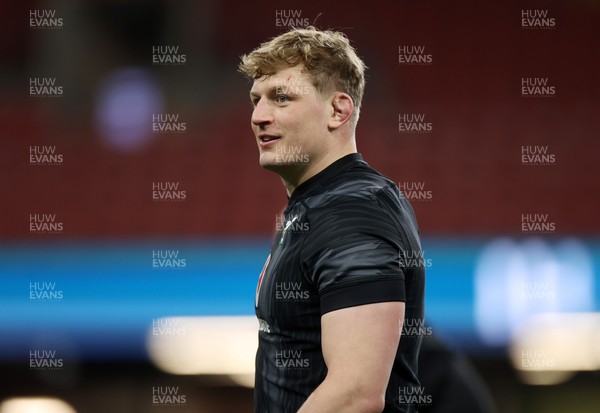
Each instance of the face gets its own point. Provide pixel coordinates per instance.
(290, 121)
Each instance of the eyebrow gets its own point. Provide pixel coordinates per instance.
(269, 91)
(272, 90)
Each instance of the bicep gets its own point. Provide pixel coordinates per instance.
(360, 343)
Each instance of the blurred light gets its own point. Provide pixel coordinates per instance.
(554, 342)
(205, 345)
(544, 378)
(126, 102)
(246, 380)
(35, 405)
(514, 281)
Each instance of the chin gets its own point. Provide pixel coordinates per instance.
(268, 162)
(266, 159)
(273, 166)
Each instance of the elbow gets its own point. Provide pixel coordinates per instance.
(358, 395)
(372, 403)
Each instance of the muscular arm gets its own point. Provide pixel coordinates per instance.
(359, 345)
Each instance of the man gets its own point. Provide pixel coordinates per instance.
(337, 285)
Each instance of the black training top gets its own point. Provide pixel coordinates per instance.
(347, 237)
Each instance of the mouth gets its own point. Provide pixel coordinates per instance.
(265, 140)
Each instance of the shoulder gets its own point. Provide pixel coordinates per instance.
(359, 201)
(360, 186)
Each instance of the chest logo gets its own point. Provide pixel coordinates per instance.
(287, 226)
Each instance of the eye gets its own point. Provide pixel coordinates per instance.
(282, 99)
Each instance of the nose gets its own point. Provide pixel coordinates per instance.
(262, 114)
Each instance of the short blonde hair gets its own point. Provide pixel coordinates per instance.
(327, 55)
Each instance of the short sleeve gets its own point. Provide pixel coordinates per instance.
(352, 252)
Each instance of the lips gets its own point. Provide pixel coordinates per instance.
(265, 140)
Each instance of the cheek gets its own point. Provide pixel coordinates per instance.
(307, 119)
(320, 111)
(313, 110)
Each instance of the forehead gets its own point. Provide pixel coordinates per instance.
(285, 78)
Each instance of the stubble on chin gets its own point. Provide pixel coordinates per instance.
(283, 169)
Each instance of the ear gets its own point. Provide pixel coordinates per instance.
(342, 109)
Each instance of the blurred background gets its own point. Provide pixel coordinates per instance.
(136, 218)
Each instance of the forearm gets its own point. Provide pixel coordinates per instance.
(336, 397)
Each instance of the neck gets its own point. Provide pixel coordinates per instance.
(296, 178)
